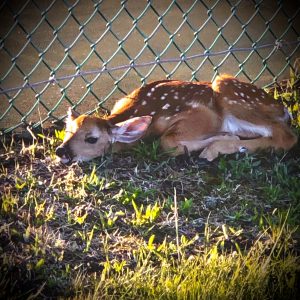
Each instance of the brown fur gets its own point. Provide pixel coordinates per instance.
(184, 115)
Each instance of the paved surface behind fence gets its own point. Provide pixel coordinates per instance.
(132, 45)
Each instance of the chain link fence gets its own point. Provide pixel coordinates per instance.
(86, 54)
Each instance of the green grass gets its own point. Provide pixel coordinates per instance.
(128, 227)
(142, 225)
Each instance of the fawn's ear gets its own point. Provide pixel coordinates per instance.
(131, 130)
(72, 115)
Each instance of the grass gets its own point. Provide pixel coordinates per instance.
(142, 225)
(124, 227)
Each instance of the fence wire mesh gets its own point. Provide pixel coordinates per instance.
(86, 54)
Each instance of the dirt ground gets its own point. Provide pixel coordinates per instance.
(40, 37)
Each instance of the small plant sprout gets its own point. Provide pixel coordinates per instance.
(145, 216)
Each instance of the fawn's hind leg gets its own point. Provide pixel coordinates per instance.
(282, 138)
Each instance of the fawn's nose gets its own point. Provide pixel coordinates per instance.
(61, 151)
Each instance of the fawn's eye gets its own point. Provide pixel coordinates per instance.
(91, 140)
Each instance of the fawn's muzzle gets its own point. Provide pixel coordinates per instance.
(64, 153)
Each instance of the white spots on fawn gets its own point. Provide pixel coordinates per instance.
(230, 102)
(242, 94)
(152, 113)
(253, 90)
(176, 97)
(177, 108)
(152, 90)
(162, 97)
(167, 118)
(149, 94)
(166, 106)
(194, 104)
(236, 93)
(144, 102)
(135, 111)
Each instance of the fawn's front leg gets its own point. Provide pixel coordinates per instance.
(193, 131)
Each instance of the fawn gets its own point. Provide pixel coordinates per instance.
(222, 117)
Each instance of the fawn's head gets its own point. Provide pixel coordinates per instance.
(88, 137)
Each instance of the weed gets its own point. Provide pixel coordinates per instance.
(109, 219)
(240, 167)
(186, 206)
(149, 151)
(9, 202)
(126, 197)
(273, 192)
(288, 93)
(145, 216)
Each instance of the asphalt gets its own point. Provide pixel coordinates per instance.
(161, 33)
